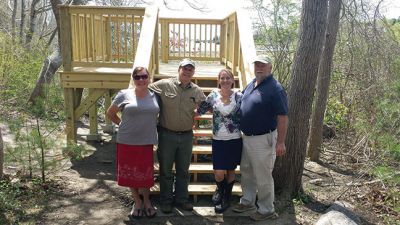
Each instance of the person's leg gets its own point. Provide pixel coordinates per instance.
(182, 162)
(247, 177)
(219, 175)
(230, 176)
(137, 207)
(148, 207)
(263, 158)
(167, 146)
(220, 181)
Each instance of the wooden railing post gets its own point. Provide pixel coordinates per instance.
(66, 37)
(164, 41)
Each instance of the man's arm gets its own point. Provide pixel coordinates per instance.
(283, 121)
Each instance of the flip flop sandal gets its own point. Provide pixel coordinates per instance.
(137, 213)
(150, 212)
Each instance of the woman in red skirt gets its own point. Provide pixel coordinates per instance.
(137, 133)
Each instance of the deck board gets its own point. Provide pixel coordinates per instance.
(203, 69)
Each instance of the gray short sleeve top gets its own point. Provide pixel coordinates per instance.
(138, 118)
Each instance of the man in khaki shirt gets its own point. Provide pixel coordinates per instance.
(179, 98)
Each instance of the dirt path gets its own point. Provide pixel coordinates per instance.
(90, 196)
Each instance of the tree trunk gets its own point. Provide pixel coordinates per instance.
(1, 155)
(32, 24)
(49, 68)
(51, 63)
(22, 24)
(13, 20)
(324, 79)
(289, 168)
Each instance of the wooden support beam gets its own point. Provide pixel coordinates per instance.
(109, 127)
(93, 134)
(88, 102)
(69, 115)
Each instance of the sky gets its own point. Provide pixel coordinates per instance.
(221, 8)
(391, 9)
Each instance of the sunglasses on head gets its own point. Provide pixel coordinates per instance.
(141, 77)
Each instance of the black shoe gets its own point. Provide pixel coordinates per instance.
(184, 206)
(166, 208)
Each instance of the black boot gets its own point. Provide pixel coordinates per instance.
(225, 203)
(219, 191)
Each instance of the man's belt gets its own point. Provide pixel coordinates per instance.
(261, 133)
(176, 132)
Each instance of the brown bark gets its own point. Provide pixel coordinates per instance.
(13, 20)
(324, 79)
(289, 168)
(32, 24)
(22, 24)
(49, 68)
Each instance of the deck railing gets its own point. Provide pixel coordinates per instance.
(198, 39)
(100, 36)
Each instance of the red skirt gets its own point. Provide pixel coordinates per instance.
(135, 166)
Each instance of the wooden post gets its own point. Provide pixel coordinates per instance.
(93, 129)
(156, 53)
(109, 127)
(235, 47)
(66, 37)
(69, 115)
(164, 41)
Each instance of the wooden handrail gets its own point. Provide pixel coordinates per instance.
(247, 47)
(148, 42)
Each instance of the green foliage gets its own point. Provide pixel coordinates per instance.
(336, 113)
(18, 197)
(74, 151)
(33, 125)
(302, 199)
(276, 34)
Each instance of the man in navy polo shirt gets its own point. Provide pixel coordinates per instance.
(263, 122)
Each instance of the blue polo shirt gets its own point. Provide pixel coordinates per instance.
(261, 105)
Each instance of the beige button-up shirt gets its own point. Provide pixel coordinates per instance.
(177, 103)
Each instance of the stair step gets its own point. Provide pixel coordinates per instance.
(198, 168)
(200, 189)
(202, 149)
(195, 76)
(204, 117)
(202, 133)
(197, 149)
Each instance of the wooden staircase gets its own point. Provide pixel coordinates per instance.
(99, 45)
(201, 155)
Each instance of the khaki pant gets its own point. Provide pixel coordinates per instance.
(258, 159)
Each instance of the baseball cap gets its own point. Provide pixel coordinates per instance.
(262, 59)
(186, 62)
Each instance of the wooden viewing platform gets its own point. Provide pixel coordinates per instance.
(100, 46)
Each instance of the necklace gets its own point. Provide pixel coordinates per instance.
(226, 98)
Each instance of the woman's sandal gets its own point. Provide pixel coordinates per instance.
(150, 212)
(136, 213)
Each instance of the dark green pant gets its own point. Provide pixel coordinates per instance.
(174, 148)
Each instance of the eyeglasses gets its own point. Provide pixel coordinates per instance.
(141, 77)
